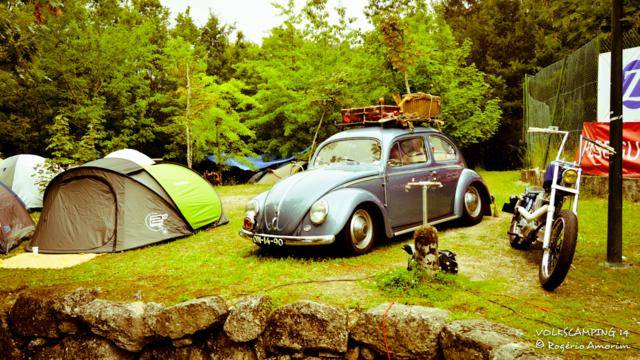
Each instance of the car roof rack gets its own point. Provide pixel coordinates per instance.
(385, 116)
(412, 109)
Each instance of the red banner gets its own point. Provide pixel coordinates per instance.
(595, 160)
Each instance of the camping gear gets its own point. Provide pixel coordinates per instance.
(368, 113)
(420, 105)
(26, 176)
(538, 215)
(284, 171)
(416, 108)
(132, 155)
(114, 204)
(15, 222)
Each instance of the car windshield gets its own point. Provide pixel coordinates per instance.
(349, 151)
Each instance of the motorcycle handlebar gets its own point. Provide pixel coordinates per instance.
(604, 146)
(545, 130)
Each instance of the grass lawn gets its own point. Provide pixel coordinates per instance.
(495, 281)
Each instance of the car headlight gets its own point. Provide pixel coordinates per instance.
(570, 177)
(319, 211)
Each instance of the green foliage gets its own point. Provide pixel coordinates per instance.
(439, 67)
(435, 287)
(116, 71)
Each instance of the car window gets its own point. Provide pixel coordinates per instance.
(349, 151)
(442, 149)
(407, 152)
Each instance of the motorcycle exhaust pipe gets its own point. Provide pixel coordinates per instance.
(532, 216)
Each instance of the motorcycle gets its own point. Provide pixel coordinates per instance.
(538, 214)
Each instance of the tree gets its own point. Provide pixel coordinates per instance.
(221, 128)
(394, 30)
(183, 65)
(205, 112)
(214, 37)
(438, 66)
(88, 65)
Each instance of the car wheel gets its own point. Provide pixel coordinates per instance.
(359, 233)
(472, 206)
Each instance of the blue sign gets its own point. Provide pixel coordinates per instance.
(631, 85)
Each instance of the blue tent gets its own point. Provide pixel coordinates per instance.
(256, 162)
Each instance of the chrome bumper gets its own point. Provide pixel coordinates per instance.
(282, 240)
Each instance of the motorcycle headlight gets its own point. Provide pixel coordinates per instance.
(319, 211)
(570, 177)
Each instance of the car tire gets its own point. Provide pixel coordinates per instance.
(359, 234)
(472, 206)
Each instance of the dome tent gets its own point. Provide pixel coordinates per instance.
(15, 222)
(113, 204)
(23, 175)
(132, 155)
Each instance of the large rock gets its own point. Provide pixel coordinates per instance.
(189, 317)
(38, 314)
(481, 339)
(306, 326)
(412, 331)
(9, 345)
(248, 318)
(83, 348)
(127, 325)
(222, 348)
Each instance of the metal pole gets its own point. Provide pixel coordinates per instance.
(425, 207)
(614, 233)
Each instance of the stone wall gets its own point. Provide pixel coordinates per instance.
(597, 186)
(80, 325)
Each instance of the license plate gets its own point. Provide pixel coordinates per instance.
(269, 241)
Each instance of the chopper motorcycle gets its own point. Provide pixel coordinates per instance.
(538, 214)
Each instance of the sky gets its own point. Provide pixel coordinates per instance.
(253, 17)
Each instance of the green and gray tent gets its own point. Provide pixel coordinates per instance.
(114, 204)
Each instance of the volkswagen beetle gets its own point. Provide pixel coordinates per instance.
(353, 192)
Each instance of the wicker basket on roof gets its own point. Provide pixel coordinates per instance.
(420, 105)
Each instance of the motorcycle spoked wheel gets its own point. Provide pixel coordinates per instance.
(562, 245)
(517, 242)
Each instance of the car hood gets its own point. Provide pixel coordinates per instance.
(291, 198)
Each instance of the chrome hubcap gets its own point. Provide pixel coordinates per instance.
(472, 202)
(361, 229)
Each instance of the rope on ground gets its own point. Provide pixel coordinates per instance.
(384, 331)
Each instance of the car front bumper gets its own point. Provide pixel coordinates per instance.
(282, 240)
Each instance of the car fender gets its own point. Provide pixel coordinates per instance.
(468, 177)
(342, 203)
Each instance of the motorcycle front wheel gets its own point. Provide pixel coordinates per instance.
(562, 246)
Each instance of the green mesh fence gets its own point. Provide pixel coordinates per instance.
(564, 94)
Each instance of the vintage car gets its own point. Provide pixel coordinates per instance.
(353, 192)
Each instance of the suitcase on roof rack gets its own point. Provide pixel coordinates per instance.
(421, 105)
